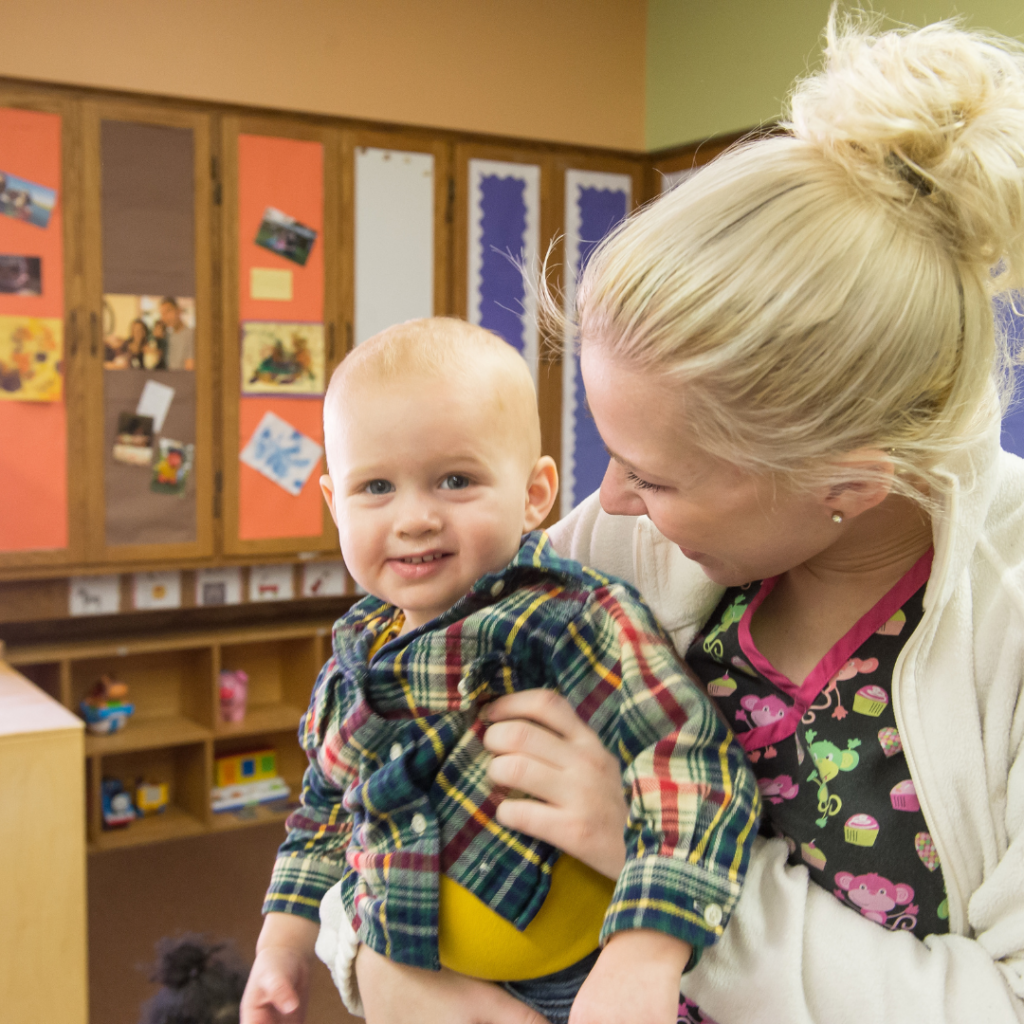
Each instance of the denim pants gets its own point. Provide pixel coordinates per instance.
(552, 995)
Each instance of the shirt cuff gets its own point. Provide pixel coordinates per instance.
(298, 884)
(670, 895)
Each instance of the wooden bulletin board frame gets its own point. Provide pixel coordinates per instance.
(336, 303)
(48, 101)
(161, 114)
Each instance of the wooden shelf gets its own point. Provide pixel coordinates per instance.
(173, 823)
(270, 718)
(148, 734)
(259, 814)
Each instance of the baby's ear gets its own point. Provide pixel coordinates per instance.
(327, 489)
(541, 491)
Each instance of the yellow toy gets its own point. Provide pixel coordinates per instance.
(252, 766)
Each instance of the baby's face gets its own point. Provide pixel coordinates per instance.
(430, 492)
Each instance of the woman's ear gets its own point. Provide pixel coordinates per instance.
(327, 489)
(541, 491)
(864, 479)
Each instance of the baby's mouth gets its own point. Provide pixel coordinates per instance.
(420, 559)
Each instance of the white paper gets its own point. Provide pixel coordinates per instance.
(154, 401)
(394, 243)
(218, 586)
(154, 590)
(94, 595)
(323, 579)
(281, 453)
(271, 583)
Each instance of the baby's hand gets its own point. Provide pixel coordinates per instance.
(635, 981)
(279, 980)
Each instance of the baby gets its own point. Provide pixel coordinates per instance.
(436, 482)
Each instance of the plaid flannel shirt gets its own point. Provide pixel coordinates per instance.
(396, 790)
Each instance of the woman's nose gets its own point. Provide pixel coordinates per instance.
(617, 497)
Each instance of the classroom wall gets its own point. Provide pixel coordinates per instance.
(568, 71)
(717, 68)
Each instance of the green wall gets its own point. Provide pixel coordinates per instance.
(720, 66)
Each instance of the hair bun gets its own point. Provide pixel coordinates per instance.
(931, 120)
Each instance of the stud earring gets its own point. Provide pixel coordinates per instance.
(837, 517)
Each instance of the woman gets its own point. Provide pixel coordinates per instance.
(792, 360)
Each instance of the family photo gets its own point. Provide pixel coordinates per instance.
(147, 332)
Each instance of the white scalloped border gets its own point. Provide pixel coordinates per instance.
(530, 174)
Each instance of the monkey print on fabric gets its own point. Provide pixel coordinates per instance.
(828, 755)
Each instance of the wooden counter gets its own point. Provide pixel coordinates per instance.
(43, 967)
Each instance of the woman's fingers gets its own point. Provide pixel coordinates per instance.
(541, 779)
(545, 707)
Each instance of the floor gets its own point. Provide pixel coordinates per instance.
(210, 884)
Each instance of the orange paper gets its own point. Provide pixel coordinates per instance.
(33, 436)
(266, 510)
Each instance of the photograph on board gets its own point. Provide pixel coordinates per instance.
(148, 332)
(21, 275)
(25, 200)
(282, 359)
(285, 236)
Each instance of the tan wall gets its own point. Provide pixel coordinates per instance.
(715, 68)
(560, 70)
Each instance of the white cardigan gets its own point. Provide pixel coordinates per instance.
(792, 952)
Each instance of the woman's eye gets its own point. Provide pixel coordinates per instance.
(640, 484)
(455, 482)
(379, 487)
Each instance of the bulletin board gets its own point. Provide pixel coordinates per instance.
(595, 201)
(32, 411)
(147, 224)
(504, 239)
(281, 357)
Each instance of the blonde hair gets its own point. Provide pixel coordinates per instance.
(460, 354)
(831, 289)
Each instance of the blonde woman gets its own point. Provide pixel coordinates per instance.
(793, 362)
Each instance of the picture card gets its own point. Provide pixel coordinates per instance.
(21, 275)
(282, 359)
(285, 236)
(155, 401)
(155, 590)
(26, 200)
(271, 583)
(281, 453)
(323, 579)
(144, 332)
(134, 442)
(31, 359)
(172, 468)
(219, 586)
(94, 595)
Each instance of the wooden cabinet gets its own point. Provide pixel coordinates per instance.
(176, 730)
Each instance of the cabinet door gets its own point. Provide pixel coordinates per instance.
(41, 357)
(281, 339)
(505, 222)
(148, 282)
(596, 194)
(396, 218)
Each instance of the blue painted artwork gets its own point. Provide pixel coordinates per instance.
(502, 242)
(599, 210)
(281, 453)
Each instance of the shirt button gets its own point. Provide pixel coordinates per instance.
(497, 588)
(713, 915)
(484, 867)
(396, 751)
(419, 826)
(464, 686)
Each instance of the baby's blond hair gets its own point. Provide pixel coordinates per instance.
(455, 352)
(830, 290)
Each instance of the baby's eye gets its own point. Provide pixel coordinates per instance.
(379, 487)
(455, 482)
(640, 484)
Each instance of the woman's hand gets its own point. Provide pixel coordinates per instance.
(395, 994)
(543, 749)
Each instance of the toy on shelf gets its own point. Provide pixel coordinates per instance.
(106, 709)
(118, 809)
(234, 690)
(248, 778)
(151, 797)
